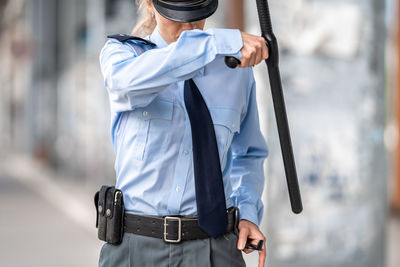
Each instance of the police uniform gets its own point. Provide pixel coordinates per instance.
(152, 138)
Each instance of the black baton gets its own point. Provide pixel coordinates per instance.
(279, 103)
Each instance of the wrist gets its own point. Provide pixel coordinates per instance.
(248, 211)
(247, 222)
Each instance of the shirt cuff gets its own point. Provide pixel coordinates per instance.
(248, 212)
(228, 42)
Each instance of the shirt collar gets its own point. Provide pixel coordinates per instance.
(156, 38)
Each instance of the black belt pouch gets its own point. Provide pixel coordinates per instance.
(110, 214)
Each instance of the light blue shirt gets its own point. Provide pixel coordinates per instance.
(151, 131)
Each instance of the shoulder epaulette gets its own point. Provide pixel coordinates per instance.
(126, 37)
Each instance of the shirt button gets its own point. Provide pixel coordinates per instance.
(233, 126)
(177, 189)
(186, 152)
(145, 113)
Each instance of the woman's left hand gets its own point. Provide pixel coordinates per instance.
(247, 230)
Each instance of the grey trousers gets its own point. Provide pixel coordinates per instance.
(142, 251)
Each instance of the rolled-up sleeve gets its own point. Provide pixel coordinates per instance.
(249, 151)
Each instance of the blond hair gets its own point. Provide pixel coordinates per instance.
(147, 21)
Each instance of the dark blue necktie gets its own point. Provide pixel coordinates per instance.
(210, 196)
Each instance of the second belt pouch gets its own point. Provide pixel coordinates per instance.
(110, 214)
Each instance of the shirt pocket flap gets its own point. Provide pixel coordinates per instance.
(226, 117)
(158, 109)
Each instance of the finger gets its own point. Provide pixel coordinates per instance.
(248, 250)
(256, 236)
(265, 49)
(259, 53)
(253, 55)
(243, 63)
(265, 52)
(243, 233)
(244, 60)
(261, 257)
(255, 241)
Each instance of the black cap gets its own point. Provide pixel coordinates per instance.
(186, 10)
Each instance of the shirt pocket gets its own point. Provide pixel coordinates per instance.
(147, 129)
(226, 124)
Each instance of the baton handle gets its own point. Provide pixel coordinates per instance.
(266, 29)
(232, 62)
(279, 106)
(279, 103)
(264, 17)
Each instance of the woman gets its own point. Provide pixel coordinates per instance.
(153, 131)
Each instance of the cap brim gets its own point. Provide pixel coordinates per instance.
(187, 15)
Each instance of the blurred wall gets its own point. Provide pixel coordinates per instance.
(332, 65)
(54, 107)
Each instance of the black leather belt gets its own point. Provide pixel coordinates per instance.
(172, 229)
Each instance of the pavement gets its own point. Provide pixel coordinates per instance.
(49, 220)
(393, 241)
(41, 222)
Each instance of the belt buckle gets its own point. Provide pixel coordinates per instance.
(179, 229)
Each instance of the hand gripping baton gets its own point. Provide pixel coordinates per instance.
(279, 103)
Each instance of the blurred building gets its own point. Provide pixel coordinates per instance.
(54, 104)
(54, 107)
(332, 65)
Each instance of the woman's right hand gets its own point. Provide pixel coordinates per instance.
(254, 50)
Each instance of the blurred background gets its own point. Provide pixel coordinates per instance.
(340, 71)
